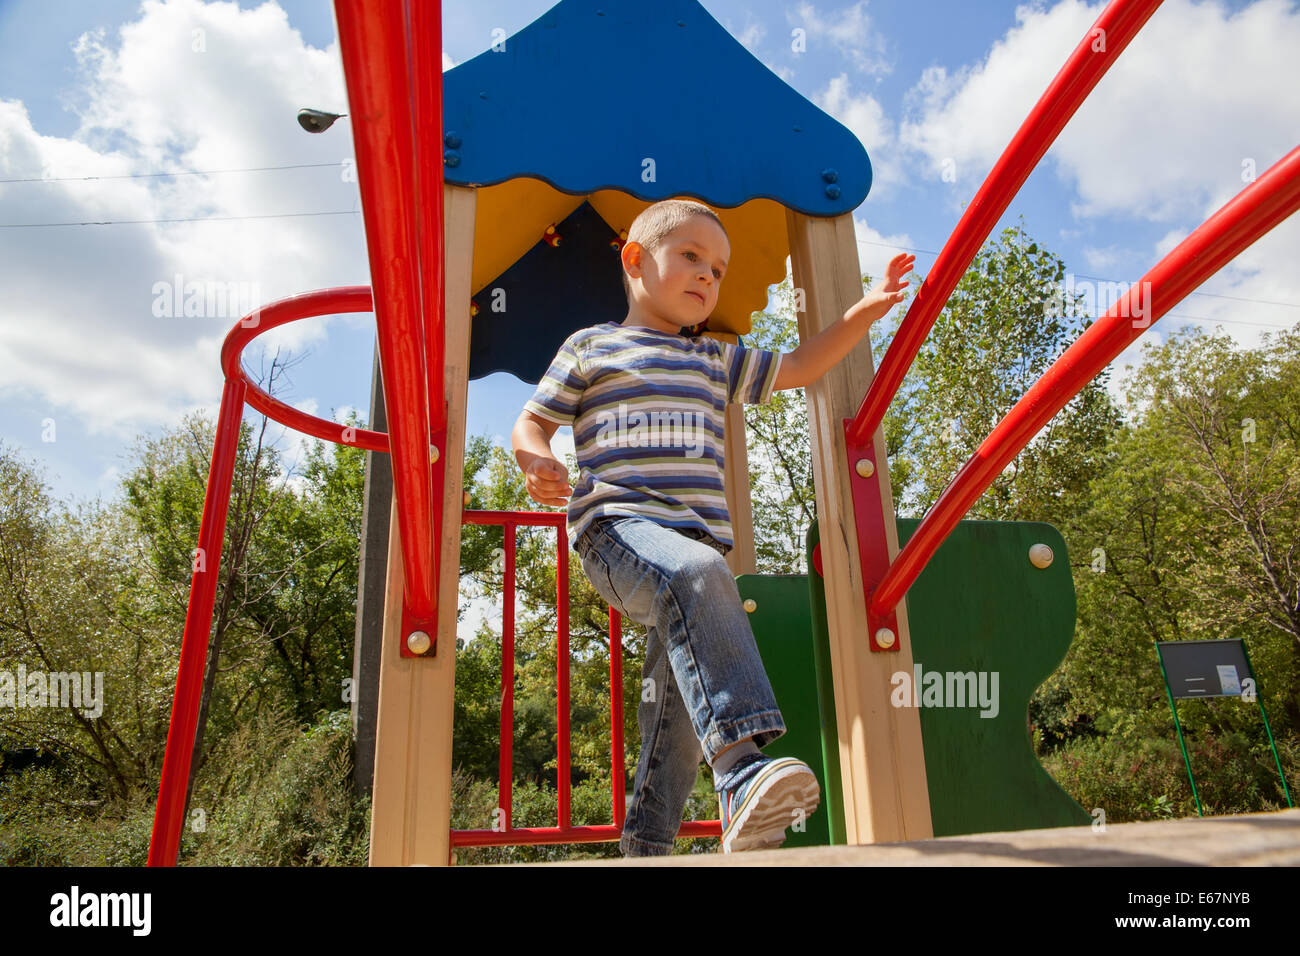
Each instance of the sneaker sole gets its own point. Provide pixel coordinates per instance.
(768, 809)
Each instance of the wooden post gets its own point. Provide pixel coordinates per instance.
(741, 559)
(410, 819)
(882, 765)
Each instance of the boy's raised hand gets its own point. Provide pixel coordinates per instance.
(898, 267)
(547, 481)
(889, 291)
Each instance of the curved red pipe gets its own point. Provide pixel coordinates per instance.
(1250, 214)
(354, 298)
(1118, 23)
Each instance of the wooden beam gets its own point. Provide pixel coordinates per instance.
(735, 479)
(882, 765)
(411, 812)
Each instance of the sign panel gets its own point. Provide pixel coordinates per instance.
(1205, 668)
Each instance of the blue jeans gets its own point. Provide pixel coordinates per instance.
(703, 683)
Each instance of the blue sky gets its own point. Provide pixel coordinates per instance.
(123, 89)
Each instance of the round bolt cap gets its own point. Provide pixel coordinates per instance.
(864, 467)
(1040, 556)
(885, 637)
(417, 642)
(751, 605)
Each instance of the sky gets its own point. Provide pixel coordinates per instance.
(97, 99)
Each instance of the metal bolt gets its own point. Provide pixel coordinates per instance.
(885, 637)
(433, 453)
(417, 642)
(452, 139)
(830, 175)
(865, 467)
(1040, 556)
(751, 605)
(832, 191)
(450, 157)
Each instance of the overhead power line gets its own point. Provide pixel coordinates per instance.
(178, 172)
(137, 222)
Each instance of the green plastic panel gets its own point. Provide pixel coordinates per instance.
(980, 607)
(781, 629)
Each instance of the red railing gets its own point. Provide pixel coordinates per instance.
(1250, 214)
(1253, 212)
(397, 176)
(177, 757)
(504, 833)
(1114, 29)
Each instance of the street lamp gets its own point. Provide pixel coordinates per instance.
(317, 121)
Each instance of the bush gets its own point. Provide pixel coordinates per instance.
(289, 801)
(1147, 779)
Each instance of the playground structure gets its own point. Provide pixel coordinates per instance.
(474, 205)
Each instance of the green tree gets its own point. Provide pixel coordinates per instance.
(1190, 535)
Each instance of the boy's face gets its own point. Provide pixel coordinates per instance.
(679, 280)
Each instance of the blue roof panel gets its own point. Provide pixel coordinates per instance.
(653, 98)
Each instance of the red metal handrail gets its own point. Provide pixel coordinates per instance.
(374, 44)
(425, 31)
(1247, 216)
(164, 844)
(338, 301)
(1118, 23)
(564, 831)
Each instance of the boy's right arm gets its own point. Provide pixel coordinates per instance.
(546, 479)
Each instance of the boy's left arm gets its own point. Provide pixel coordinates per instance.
(811, 360)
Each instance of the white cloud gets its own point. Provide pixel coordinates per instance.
(875, 249)
(968, 116)
(751, 36)
(82, 332)
(562, 444)
(1108, 257)
(863, 115)
(1166, 131)
(1168, 136)
(848, 31)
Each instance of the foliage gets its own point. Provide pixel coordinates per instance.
(1179, 509)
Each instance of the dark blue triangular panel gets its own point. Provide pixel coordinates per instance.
(549, 293)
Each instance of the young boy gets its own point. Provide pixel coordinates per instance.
(649, 519)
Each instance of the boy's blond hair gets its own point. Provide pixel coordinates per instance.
(659, 219)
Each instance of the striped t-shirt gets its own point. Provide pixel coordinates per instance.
(647, 411)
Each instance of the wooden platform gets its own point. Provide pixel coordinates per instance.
(1256, 839)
